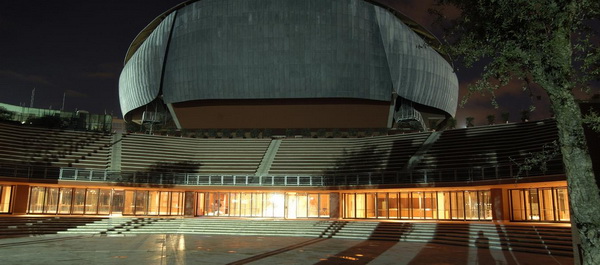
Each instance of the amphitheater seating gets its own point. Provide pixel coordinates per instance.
(55, 148)
(484, 147)
(488, 146)
(345, 155)
(203, 156)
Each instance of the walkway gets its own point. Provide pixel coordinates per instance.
(203, 249)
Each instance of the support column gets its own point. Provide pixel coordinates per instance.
(19, 199)
(190, 207)
(334, 205)
(499, 205)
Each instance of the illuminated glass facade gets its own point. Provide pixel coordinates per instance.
(437, 205)
(540, 204)
(97, 201)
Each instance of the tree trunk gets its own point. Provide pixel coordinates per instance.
(584, 195)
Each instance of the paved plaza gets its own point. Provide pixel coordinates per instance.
(206, 249)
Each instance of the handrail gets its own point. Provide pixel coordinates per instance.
(421, 176)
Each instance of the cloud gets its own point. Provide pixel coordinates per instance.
(75, 94)
(418, 10)
(104, 71)
(100, 75)
(510, 98)
(33, 79)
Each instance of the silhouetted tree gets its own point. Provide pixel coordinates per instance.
(451, 123)
(469, 121)
(491, 119)
(525, 115)
(505, 116)
(547, 44)
(6, 115)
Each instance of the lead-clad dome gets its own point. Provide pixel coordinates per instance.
(209, 53)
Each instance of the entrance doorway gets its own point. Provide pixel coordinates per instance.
(290, 205)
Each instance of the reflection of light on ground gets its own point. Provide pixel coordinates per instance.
(347, 258)
(181, 245)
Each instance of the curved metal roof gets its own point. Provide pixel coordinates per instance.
(424, 33)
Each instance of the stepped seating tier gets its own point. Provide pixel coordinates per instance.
(345, 156)
(191, 155)
(54, 148)
(493, 145)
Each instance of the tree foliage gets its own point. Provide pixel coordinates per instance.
(523, 40)
(6, 115)
(548, 44)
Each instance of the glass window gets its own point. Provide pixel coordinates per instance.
(91, 201)
(562, 204)
(405, 205)
(104, 201)
(546, 204)
(200, 204)
(349, 205)
(177, 201)
(382, 205)
(36, 199)
(64, 200)
(443, 204)
(430, 205)
(393, 205)
(471, 205)
(235, 204)
(165, 203)
(360, 205)
(324, 205)
(78, 201)
(118, 200)
(485, 205)
(457, 205)
(418, 205)
(129, 202)
(246, 204)
(51, 204)
(313, 205)
(257, 204)
(155, 202)
(517, 204)
(5, 195)
(141, 202)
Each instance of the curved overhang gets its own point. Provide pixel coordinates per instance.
(425, 34)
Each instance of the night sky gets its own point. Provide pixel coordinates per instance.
(78, 47)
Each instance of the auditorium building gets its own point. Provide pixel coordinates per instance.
(339, 77)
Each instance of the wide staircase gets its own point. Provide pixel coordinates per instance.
(524, 238)
(209, 226)
(33, 226)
